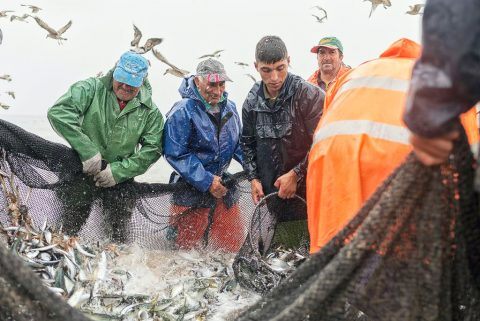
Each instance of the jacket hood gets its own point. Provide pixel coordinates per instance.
(403, 48)
(145, 94)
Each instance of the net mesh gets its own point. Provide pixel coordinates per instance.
(276, 244)
(411, 253)
(47, 179)
(155, 216)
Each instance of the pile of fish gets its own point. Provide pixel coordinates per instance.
(111, 282)
(263, 273)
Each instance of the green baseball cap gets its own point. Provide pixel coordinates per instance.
(329, 42)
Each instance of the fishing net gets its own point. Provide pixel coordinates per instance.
(45, 180)
(276, 244)
(411, 253)
(155, 216)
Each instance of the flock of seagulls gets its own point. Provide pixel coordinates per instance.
(10, 93)
(320, 16)
(52, 33)
(414, 10)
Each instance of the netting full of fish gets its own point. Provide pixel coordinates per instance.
(49, 209)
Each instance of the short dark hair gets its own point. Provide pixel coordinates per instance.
(270, 49)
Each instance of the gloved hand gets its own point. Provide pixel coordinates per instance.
(93, 165)
(105, 178)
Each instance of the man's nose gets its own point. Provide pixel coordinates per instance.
(216, 90)
(274, 76)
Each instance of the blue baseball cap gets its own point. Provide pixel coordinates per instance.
(131, 69)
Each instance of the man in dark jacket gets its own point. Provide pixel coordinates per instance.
(446, 79)
(202, 135)
(280, 115)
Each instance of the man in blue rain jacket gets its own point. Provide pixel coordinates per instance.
(202, 134)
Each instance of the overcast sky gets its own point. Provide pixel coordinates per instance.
(102, 30)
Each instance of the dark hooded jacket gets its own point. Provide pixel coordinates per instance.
(276, 138)
(446, 79)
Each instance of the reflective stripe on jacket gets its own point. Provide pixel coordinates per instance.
(360, 140)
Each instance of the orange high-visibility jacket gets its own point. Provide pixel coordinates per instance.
(361, 139)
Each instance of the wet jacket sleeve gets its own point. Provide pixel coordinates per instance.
(310, 100)
(66, 114)
(238, 154)
(180, 156)
(249, 142)
(446, 79)
(149, 152)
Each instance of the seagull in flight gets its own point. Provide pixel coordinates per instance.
(34, 9)
(4, 106)
(11, 93)
(52, 33)
(320, 19)
(22, 18)
(376, 3)
(149, 44)
(1, 36)
(251, 77)
(4, 13)
(215, 54)
(415, 9)
(241, 64)
(173, 70)
(6, 77)
(176, 72)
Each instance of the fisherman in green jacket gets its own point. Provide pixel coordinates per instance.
(113, 120)
(108, 117)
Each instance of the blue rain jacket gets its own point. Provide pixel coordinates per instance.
(197, 147)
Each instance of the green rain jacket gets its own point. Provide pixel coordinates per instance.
(89, 118)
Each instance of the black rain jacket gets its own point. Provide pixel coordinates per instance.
(446, 79)
(277, 138)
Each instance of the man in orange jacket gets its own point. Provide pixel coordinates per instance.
(329, 53)
(360, 139)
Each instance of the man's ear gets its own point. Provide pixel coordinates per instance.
(256, 65)
(288, 60)
(196, 81)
